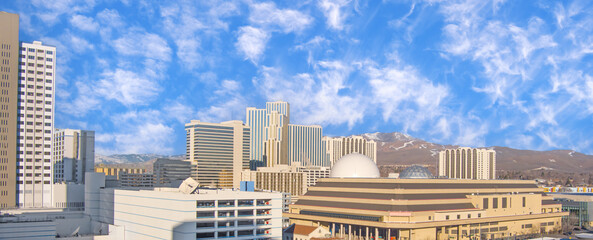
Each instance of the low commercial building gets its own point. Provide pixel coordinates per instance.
(280, 178)
(579, 206)
(168, 171)
(356, 203)
(136, 180)
(111, 170)
(43, 223)
(187, 212)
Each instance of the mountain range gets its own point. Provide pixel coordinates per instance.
(402, 149)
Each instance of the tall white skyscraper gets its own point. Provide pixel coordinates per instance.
(305, 145)
(257, 120)
(269, 133)
(35, 124)
(74, 154)
(335, 148)
(468, 163)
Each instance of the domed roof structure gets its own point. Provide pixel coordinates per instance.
(415, 171)
(354, 165)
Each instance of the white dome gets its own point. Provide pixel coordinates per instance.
(354, 165)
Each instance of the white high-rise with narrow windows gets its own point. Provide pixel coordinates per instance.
(304, 145)
(37, 71)
(337, 147)
(74, 154)
(468, 163)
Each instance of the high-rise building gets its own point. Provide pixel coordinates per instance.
(276, 143)
(74, 154)
(219, 151)
(468, 163)
(335, 148)
(304, 145)
(35, 124)
(9, 83)
(269, 133)
(257, 120)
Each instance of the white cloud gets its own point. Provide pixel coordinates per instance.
(288, 20)
(180, 111)
(509, 54)
(252, 42)
(190, 24)
(148, 45)
(127, 87)
(332, 9)
(394, 87)
(54, 9)
(227, 103)
(315, 98)
(138, 132)
(84, 23)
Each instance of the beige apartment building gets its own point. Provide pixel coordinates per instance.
(219, 152)
(9, 60)
(280, 178)
(467, 163)
(337, 147)
(292, 179)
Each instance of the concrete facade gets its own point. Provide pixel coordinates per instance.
(9, 83)
(467, 163)
(169, 213)
(219, 152)
(74, 154)
(37, 74)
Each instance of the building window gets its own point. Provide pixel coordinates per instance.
(485, 203)
(524, 201)
(458, 216)
(447, 217)
(504, 202)
(494, 202)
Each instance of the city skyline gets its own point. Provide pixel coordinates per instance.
(471, 73)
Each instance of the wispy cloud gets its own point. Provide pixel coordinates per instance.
(287, 20)
(252, 42)
(84, 23)
(145, 44)
(334, 12)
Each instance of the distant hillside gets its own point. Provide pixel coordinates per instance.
(131, 158)
(401, 149)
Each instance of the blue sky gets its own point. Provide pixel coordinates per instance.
(475, 73)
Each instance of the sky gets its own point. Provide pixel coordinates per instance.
(471, 72)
